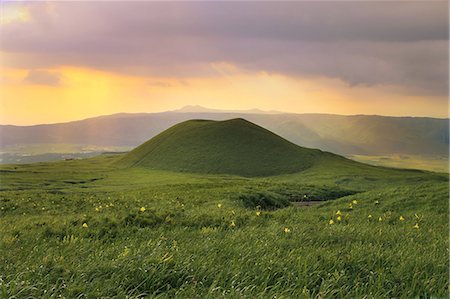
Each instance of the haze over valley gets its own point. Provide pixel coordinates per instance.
(410, 142)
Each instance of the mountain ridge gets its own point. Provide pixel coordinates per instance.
(345, 135)
(220, 111)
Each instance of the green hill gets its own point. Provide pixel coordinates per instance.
(233, 146)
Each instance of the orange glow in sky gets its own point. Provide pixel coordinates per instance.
(83, 93)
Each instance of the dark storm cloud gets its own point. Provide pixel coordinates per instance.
(400, 43)
(42, 77)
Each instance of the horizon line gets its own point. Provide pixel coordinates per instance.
(221, 111)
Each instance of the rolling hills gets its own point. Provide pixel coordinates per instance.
(234, 146)
(344, 135)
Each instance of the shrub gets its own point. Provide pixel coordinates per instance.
(264, 199)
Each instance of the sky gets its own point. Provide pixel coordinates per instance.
(63, 61)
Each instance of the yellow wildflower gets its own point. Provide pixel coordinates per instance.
(331, 222)
(338, 218)
(354, 202)
(370, 216)
(97, 209)
(401, 218)
(258, 213)
(287, 230)
(416, 226)
(142, 209)
(380, 219)
(233, 224)
(350, 206)
(219, 205)
(166, 258)
(338, 213)
(85, 225)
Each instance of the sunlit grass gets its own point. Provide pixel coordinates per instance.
(147, 233)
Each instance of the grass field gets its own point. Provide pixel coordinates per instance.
(31, 153)
(86, 229)
(431, 163)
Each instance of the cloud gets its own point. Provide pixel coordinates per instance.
(361, 43)
(42, 77)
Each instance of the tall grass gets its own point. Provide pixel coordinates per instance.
(197, 238)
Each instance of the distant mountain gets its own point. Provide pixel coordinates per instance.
(234, 146)
(200, 109)
(345, 135)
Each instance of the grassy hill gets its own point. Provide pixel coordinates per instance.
(233, 146)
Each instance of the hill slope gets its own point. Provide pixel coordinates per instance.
(233, 146)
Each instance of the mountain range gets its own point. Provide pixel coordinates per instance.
(345, 135)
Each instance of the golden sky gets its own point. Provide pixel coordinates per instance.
(55, 80)
(83, 93)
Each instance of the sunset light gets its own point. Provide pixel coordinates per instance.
(224, 149)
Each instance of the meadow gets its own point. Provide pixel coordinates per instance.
(431, 163)
(89, 229)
